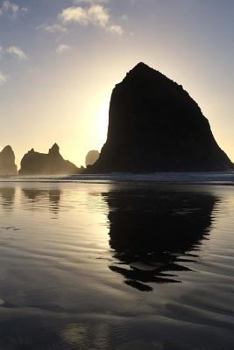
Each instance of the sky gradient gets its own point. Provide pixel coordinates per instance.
(60, 59)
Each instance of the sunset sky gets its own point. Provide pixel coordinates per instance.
(60, 59)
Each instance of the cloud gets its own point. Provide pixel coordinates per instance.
(3, 78)
(116, 29)
(95, 14)
(11, 8)
(16, 51)
(90, 2)
(98, 15)
(53, 28)
(74, 14)
(62, 48)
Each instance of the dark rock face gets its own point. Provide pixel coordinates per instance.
(35, 163)
(154, 125)
(92, 157)
(7, 162)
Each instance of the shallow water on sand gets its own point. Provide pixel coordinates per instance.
(115, 265)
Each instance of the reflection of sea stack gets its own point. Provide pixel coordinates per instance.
(7, 196)
(35, 195)
(149, 230)
(92, 157)
(35, 163)
(154, 125)
(7, 162)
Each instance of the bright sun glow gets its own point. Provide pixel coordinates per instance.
(102, 121)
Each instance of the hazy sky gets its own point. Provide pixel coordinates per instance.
(60, 59)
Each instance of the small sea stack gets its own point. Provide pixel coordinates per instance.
(91, 157)
(7, 162)
(35, 163)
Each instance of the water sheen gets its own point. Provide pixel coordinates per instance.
(105, 265)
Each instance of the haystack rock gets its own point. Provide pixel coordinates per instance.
(7, 162)
(92, 157)
(154, 125)
(35, 163)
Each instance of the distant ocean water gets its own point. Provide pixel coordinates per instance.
(117, 262)
(225, 177)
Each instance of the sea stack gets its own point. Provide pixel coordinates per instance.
(91, 157)
(35, 163)
(7, 162)
(154, 125)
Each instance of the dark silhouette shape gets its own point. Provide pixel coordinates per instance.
(91, 157)
(7, 162)
(151, 230)
(154, 125)
(35, 163)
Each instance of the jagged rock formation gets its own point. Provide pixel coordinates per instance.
(7, 162)
(154, 125)
(35, 163)
(92, 157)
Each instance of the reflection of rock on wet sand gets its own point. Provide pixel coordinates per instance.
(54, 198)
(149, 229)
(36, 195)
(7, 196)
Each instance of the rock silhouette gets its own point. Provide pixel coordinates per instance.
(35, 163)
(153, 232)
(154, 125)
(92, 157)
(7, 162)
